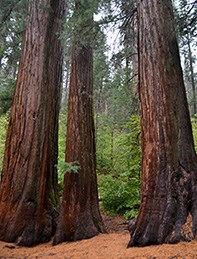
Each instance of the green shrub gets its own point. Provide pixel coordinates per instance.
(119, 197)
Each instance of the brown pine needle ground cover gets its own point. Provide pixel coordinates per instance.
(105, 246)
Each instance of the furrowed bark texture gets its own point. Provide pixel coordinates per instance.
(28, 188)
(79, 214)
(169, 173)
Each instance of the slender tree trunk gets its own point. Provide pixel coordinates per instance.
(98, 108)
(28, 188)
(79, 215)
(135, 83)
(112, 145)
(169, 168)
(192, 76)
(65, 90)
(134, 45)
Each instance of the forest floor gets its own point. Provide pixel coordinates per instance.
(104, 246)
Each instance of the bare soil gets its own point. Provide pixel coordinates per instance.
(104, 246)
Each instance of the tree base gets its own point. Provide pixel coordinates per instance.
(185, 235)
(85, 227)
(26, 229)
(174, 219)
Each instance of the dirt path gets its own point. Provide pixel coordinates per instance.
(105, 246)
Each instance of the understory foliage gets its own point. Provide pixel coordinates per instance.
(119, 169)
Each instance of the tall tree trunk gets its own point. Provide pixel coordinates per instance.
(28, 188)
(169, 173)
(79, 214)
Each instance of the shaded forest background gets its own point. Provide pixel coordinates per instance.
(116, 105)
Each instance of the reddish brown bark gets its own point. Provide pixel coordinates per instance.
(28, 188)
(79, 215)
(169, 173)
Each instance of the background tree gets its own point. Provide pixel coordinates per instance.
(169, 166)
(129, 31)
(187, 24)
(28, 188)
(12, 15)
(101, 76)
(118, 145)
(79, 215)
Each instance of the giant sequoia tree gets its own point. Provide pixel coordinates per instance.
(169, 177)
(28, 188)
(79, 215)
